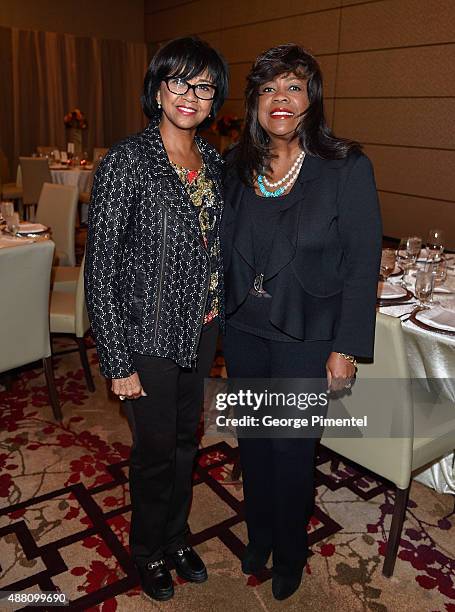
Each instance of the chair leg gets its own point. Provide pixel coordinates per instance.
(51, 388)
(334, 464)
(85, 364)
(399, 511)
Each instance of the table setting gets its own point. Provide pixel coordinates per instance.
(422, 295)
(14, 232)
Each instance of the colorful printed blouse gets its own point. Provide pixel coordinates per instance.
(201, 193)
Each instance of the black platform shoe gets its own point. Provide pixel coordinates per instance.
(156, 580)
(189, 565)
(254, 560)
(285, 585)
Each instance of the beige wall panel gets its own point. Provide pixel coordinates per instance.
(414, 171)
(183, 20)
(408, 216)
(238, 12)
(397, 23)
(426, 71)
(113, 19)
(318, 32)
(409, 122)
(328, 65)
(154, 6)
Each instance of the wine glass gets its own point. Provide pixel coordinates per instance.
(407, 254)
(387, 263)
(435, 243)
(424, 287)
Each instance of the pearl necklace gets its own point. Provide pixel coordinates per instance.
(294, 166)
(275, 194)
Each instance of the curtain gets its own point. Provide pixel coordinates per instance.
(44, 75)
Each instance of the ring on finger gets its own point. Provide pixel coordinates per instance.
(122, 398)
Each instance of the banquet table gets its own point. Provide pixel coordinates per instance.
(431, 354)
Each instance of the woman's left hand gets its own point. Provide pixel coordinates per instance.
(340, 372)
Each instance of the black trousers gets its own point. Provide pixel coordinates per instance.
(278, 474)
(164, 426)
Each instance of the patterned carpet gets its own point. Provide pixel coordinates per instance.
(64, 517)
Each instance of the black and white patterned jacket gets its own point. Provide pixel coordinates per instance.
(147, 271)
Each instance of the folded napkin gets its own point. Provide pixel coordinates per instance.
(11, 241)
(387, 291)
(29, 228)
(439, 317)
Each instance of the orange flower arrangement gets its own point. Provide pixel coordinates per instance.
(75, 119)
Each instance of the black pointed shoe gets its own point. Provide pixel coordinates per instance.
(156, 580)
(189, 565)
(254, 560)
(285, 585)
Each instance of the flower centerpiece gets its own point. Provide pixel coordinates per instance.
(75, 122)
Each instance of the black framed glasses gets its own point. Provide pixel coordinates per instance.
(203, 91)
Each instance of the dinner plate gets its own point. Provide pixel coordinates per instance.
(387, 291)
(436, 319)
(32, 228)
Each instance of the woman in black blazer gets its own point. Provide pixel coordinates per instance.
(301, 242)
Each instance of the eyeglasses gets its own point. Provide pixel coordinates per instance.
(203, 91)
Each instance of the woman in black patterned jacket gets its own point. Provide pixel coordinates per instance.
(155, 295)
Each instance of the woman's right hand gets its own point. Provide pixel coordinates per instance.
(128, 388)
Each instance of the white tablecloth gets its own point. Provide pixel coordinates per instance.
(73, 176)
(432, 355)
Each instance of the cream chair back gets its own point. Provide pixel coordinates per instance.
(35, 172)
(389, 392)
(25, 273)
(82, 320)
(57, 208)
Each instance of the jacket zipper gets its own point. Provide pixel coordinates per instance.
(160, 285)
(195, 357)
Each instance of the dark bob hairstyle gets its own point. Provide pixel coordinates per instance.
(252, 155)
(185, 58)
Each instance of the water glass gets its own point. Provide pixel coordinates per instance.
(435, 243)
(12, 222)
(387, 263)
(424, 287)
(7, 209)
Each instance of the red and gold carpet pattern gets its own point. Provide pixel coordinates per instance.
(64, 517)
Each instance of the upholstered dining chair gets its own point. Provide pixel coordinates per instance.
(9, 191)
(57, 207)
(420, 432)
(68, 315)
(35, 172)
(24, 311)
